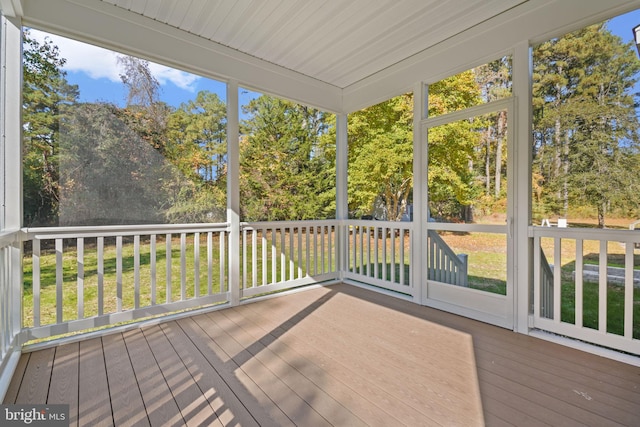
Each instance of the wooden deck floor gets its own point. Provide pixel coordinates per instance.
(338, 356)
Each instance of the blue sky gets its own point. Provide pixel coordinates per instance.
(96, 72)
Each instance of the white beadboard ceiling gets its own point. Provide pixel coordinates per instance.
(339, 42)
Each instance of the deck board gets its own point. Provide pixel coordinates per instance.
(63, 388)
(93, 387)
(338, 355)
(124, 393)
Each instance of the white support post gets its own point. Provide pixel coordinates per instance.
(11, 186)
(522, 244)
(10, 118)
(233, 190)
(420, 196)
(342, 207)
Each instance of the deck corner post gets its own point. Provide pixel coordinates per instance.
(522, 243)
(420, 196)
(342, 207)
(10, 195)
(233, 191)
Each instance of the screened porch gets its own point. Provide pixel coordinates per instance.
(348, 320)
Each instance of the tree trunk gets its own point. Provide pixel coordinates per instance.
(487, 163)
(500, 136)
(601, 211)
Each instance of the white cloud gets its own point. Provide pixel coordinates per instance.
(98, 63)
(179, 78)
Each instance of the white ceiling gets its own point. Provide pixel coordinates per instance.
(339, 42)
(338, 55)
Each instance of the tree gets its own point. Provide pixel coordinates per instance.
(381, 157)
(109, 174)
(452, 147)
(46, 98)
(494, 80)
(197, 146)
(284, 172)
(585, 123)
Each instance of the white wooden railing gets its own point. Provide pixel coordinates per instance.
(379, 253)
(282, 255)
(10, 303)
(79, 278)
(153, 270)
(568, 245)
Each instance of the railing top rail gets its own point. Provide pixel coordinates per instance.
(119, 230)
(286, 224)
(8, 237)
(407, 225)
(480, 228)
(625, 236)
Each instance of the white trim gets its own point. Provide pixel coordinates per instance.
(586, 347)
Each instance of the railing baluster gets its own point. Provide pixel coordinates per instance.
(210, 261)
(118, 274)
(183, 266)
(196, 264)
(579, 278)
(264, 255)
(283, 255)
(292, 257)
(557, 279)
(223, 256)
(602, 288)
(80, 276)
(393, 255)
(401, 262)
(537, 277)
(376, 253)
(168, 260)
(100, 254)
(136, 271)
(300, 271)
(307, 265)
(152, 267)
(35, 259)
(274, 257)
(59, 280)
(254, 258)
